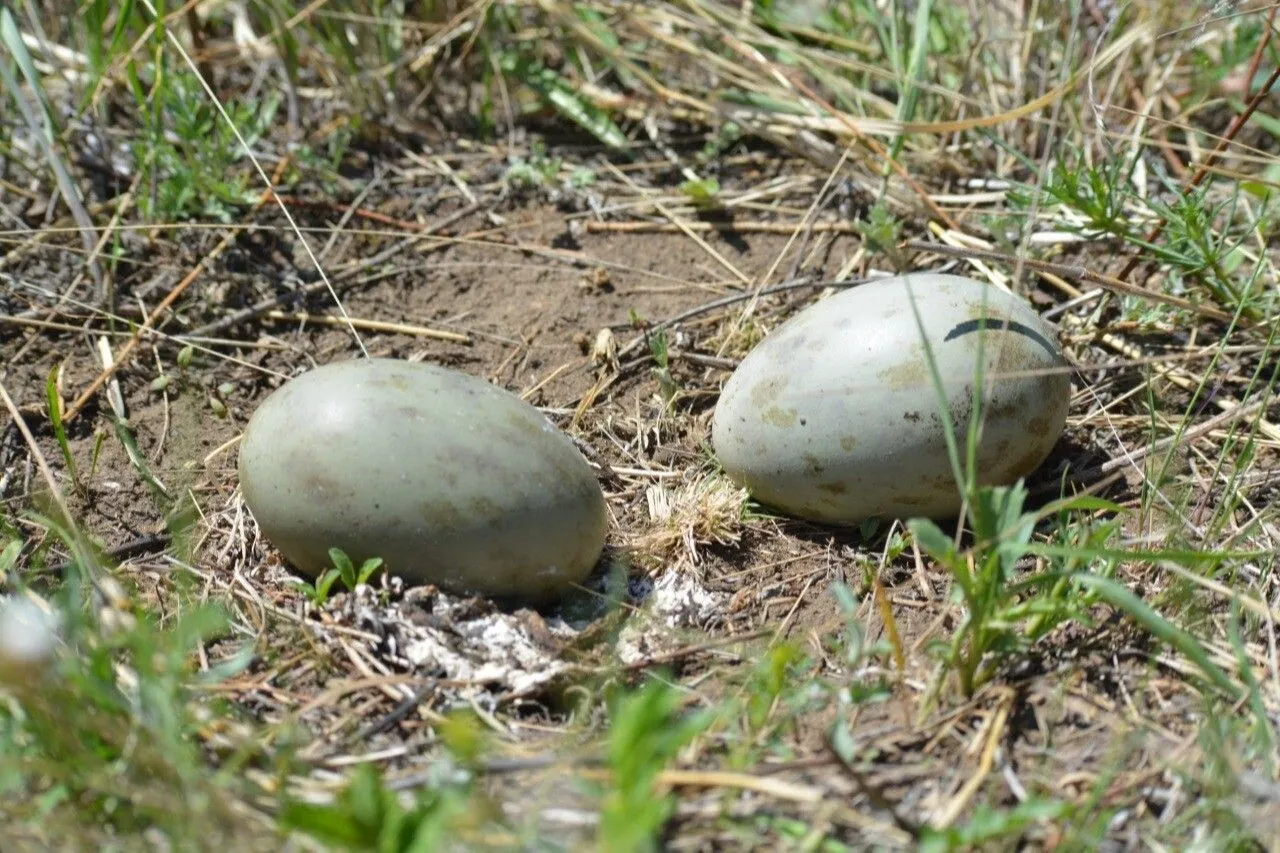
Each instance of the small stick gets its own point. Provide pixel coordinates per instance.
(1110, 470)
(77, 537)
(594, 227)
(795, 284)
(873, 793)
(366, 325)
(377, 216)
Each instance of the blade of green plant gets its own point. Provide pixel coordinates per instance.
(646, 733)
(910, 94)
(940, 393)
(1182, 557)
(9, 558)
(988, 824)
(343, 564)
(599, 27)
(138, 461)
(100, 50)
(555, 91)
(59, 429)
(1122, 598)
(1255, 695)
(40, 123)
(367, 568)
(11, 38)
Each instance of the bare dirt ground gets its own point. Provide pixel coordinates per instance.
(525, 290)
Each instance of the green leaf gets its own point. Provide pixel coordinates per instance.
(59, 430)
(931, 538)
(991, 824)
(367, 569)
(562, 96)
(9, 557)
(324, 583)
(325, 823)
(345, 569)
(703, 193)
(365, 798)
(1122, 598)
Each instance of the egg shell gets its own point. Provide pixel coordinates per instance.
(835, 416)
(448, 479)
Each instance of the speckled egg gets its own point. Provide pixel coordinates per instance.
(835, 416)
(448, 479)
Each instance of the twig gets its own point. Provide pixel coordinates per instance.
(130, 549)
(77, 537)
(268, 183)
(1110, 469)
(732, 299)
(992, 741)
(595, 227)
(402, 710)
(367, 325)
(376, 216)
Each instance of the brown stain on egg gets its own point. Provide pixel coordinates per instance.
(443, 517)
(836, 488)
(399, 383)
(911, 373)
(779, 417)
(767, 390)
(943, 483)
(848, 442)
(1007, 410)
(1039, 427)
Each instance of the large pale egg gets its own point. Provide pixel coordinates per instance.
(448, 479)
(836, 417)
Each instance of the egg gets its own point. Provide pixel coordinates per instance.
(450, 480)
(28, 639)
(835, 416)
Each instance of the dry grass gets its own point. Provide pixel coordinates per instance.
(524, 192)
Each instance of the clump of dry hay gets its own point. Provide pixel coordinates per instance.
(706, 510)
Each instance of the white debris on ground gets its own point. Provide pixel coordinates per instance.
(679, 600)
(467, 643)
(492, 650)
(474, 649)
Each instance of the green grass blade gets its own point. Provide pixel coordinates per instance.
(555, 91)
(59, 429)
(915, 71)
(40, 121)
(1121, 598)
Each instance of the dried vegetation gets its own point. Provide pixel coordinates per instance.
(602, 206)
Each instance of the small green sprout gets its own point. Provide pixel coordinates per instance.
(344, 570)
